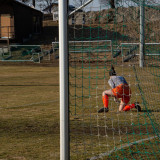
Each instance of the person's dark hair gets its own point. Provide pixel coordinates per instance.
(112, 72)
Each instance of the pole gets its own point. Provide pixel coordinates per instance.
(8, 39)
(85, 4)
(63, 70)
(142, 33)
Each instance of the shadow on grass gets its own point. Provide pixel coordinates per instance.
(94, 32)
(151, 110)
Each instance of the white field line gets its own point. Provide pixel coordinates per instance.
(100, 156)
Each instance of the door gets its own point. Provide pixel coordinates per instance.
(7, 26)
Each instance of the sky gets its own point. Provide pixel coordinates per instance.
(96, 3)
(93, 4)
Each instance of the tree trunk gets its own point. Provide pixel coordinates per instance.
(33, 3)
(111, 2)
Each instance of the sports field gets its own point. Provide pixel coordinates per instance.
(114, 135)
(29, 117)
(29, 113)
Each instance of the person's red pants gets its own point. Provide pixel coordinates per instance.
(122, 91)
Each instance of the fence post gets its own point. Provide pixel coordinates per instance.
(142, 32)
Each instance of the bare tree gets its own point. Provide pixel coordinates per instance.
(34, 2)
(42, 4)
(78, 3)
(25, 1)
(108, 2)
(46, 4)
(29, 1)
(113, 3)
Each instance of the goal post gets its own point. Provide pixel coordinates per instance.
(63, 80)
(63, 70)
(142, 33)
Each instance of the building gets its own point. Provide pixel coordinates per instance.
(53, 8)
(18, 21)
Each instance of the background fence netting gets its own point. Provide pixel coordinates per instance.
(112, 37)
(24, 53)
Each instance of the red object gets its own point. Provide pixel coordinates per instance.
(105, 101)
(128, 107)
(122, 91)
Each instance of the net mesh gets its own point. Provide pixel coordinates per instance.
(111, 37)
(24, 53)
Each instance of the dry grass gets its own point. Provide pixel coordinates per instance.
(29, 117)
(93, 133)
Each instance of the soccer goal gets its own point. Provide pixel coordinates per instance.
(124, 35)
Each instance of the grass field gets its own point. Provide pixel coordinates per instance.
(29, 113)
(29, 117)
(94, 134)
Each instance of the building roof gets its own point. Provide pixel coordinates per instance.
(26, 5)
